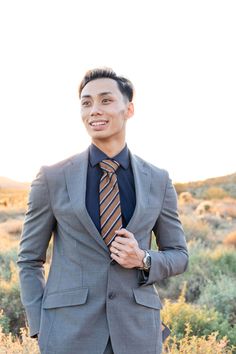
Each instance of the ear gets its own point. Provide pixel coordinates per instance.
(130, 110)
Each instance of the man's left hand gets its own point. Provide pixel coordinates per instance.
(125, 250)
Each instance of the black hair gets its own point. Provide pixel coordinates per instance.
(125, 85)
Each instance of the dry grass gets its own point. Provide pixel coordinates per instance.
(13, 198)
(12, 345)
(7, 242)
(230, 239)
(227, 208)
(11, 217)
(200, 345)
(185, 197)
(195, 228)
(11, 213)
(9, 234)
(198, 188)
(12, 207)
(215, 193)
(224, 208)
(12, 227)
(188, 345)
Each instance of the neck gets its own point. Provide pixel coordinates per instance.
(111, 148)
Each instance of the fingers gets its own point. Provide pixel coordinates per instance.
(122, 246)
(125, 233)
(115, 257)
(115, 246)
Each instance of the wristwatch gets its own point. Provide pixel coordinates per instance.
(146, 261)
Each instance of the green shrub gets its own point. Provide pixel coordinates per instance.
(10, 301)
(221, 295)
(196, 276)
(205, 265)
(203, 320)
(5, 259)
(4, 322)
(224, 261)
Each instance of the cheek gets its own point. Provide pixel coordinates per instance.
(83, 116)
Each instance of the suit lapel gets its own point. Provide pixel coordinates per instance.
(142, 181)
(76, 178)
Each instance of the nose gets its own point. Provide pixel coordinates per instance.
(95, 110)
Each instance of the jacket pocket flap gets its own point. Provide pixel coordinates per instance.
(147, 296)
(68, 298)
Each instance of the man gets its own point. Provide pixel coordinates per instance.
(101, 207)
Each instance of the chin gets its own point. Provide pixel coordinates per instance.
(98, 135)
(99, 132)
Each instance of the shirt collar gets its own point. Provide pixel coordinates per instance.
(96, 155)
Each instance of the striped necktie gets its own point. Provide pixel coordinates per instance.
(109, 201)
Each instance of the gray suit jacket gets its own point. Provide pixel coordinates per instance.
(87, 297)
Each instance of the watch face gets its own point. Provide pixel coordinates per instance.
(147, 261)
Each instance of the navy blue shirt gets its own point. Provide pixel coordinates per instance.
(125, 180)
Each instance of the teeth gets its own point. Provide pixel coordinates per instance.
(98, 123)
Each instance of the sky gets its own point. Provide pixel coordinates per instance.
(180, 56)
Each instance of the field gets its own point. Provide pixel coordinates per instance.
(199, 305)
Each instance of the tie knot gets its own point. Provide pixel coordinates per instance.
(109, 166)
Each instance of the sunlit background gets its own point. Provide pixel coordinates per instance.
(180, 55)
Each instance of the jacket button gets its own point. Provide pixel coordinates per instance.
(111, 295)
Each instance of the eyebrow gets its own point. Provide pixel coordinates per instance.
(100, 94)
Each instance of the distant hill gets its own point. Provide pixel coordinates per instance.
(198, 189)
(7, 183)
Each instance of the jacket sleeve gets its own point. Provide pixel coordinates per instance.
(172, 255)
(37, 230)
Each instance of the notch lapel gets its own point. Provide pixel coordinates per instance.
(142, 181)
(76, 178)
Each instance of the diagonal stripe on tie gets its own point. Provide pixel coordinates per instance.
(114, 198)
(109, 201)
(111, 238)
(112, 214)
(111, 230)
(105, 182)
(106, 193)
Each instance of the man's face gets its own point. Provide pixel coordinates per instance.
(104, 110)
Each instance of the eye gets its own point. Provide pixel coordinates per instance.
(85, 103)
(106, 100)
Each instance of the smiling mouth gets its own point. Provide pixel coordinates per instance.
(98, 123)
